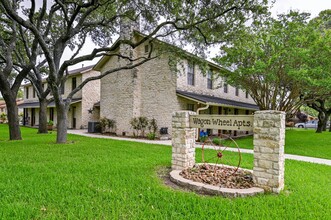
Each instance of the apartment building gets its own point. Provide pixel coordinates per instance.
(82, 108)
(155, 90)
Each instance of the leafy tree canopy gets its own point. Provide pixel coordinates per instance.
(281, 62)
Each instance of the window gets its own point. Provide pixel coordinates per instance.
(73, 83)
(210, 110)
(236, 111)
(27, 92)
(34, 93)
(209, 80)
(51, 114)
(146, 48)
(226, 111)
(225, 87)
(190, 74)
(237, 91)
(190, 107)
(247, 95)
(62, 88)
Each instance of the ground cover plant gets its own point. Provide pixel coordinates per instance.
(304, 142)
(90, 178)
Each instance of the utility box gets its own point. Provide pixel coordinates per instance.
(164, 130)
(93, 127)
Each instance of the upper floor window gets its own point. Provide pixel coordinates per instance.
(209, 80)
(225, 87)
(190, 73)
(237, 91)
(247, 95)
(27, 92)
(146, 48)
(34, 93)
(73, 83)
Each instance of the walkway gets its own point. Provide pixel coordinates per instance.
(168, 143)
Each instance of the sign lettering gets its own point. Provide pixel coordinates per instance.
(224, 122)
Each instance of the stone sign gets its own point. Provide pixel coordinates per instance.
(269, 139)
(224, 122)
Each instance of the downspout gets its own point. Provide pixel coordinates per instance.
(203, 108)
(198, 110)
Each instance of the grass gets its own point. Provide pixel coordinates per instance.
(304, 142)
(108, 179)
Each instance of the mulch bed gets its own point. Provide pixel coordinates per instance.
(221, 176)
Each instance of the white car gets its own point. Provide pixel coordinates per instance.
(308, 124)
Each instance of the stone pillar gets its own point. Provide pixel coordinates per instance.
(183, 141)
(269, 140)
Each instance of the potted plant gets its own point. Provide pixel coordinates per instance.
(50, 124)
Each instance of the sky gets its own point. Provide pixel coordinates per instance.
(311, 6)
(280, 6)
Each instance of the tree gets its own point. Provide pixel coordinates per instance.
(13, 67)
(36, 77)
(275, 60)
(321, 78)
(69, 23)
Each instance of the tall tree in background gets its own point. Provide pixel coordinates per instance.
(277, 61)
(320, 78)
(68, 24)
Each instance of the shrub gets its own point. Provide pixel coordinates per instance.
(3, 117)
(152, 126)
(107, 123)
(216, 141)
(134, 122)
(139, 124)
(151, 136)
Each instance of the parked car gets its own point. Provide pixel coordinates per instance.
(308, 124)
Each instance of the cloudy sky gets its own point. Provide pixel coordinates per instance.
(311, 6)
(280, 6)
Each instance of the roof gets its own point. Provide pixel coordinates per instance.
(212, 100)
(51, 104)
(80, 70)
(71, 72)
(105, 58)
(97, 104)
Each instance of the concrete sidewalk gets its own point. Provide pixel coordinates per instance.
(168, 143)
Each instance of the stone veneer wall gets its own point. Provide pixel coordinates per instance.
(269, 140)
(183, 141)
(269, 159)
(200, 85)
(90, 96)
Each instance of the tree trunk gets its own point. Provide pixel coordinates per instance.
(325, 122)
(61, 124)
(321, 118)
(13, 119)
(42, 129)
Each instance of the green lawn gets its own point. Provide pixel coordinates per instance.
(303, 142)
(108, 179)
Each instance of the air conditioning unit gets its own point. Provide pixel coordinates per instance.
(93, 127)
